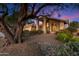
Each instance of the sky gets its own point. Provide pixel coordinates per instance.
(69, 13)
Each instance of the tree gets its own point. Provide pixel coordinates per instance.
(73, 26)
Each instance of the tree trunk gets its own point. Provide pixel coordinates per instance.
(17, 38)
(6, 30)
(18, 33)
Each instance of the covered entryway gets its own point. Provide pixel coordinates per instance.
(51, 25)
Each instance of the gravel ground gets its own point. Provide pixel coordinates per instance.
(34, 46)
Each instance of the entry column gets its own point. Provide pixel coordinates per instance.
(37, 25)
(50, 26)
(44, 25)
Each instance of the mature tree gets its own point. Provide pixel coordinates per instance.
(73, 26)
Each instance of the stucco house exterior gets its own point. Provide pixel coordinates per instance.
(47, 25)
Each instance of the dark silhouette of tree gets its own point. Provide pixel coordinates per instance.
(73, 26)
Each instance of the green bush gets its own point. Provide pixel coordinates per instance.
(72, 29)
(36, 32)
(76, 39)
(30, 33)
(65, 37)
(69, 49)
(26, 33)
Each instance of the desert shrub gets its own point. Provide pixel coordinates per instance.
(76, 39)
(73, 26)
(47, 49)
(65, 37)
(39, 32)
(36, 32)
(72, 29)
(26, 33)
(30, 33)
(68, 49)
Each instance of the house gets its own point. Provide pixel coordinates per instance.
(47, 24)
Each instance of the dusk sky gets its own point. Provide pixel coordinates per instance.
(69, 13)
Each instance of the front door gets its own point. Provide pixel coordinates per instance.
(55, 27)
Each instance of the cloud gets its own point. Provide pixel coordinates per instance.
(70, 17)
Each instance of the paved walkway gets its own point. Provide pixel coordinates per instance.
(45, 38)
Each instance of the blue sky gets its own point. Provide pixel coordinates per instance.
(69, 13)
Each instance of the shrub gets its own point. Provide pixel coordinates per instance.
(65, 37)
(76, 39)
(26, 33)
(39, 32)
(36, 32)
(72, 29)
(68, 49)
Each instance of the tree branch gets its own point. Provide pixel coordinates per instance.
(6, 27)
(33, 8)
(39, 9)
(45, 5)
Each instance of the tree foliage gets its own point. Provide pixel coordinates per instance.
(73, 26)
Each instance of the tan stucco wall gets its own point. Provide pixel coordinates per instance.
(27, 27)
(62, 25)
(55, 26)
